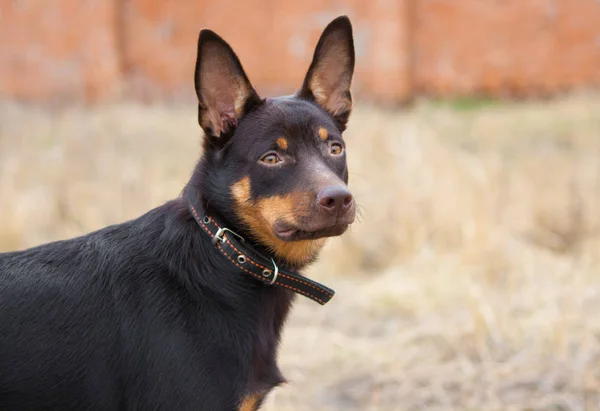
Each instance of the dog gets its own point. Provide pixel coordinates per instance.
(182, 308)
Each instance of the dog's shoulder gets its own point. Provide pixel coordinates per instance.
(86, 263)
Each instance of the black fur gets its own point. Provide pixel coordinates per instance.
(147, 315)
(139, 316)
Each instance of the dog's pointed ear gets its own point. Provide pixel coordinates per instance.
(330, 74)
(223, 89)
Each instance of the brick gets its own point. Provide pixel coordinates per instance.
(511, 46)
(274, 40)
(58, 50)
(89, 49)
(160, 41)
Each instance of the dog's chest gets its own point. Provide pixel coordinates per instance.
(264, 374)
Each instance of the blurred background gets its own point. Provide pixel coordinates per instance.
(472, 280)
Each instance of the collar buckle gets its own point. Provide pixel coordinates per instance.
(220, 235)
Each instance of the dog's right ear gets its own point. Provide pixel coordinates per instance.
(223, 89)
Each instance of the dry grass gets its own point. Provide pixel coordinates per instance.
(471, 284)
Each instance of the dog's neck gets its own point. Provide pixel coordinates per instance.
(269, 306)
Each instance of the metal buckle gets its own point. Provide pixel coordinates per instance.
(220, 235)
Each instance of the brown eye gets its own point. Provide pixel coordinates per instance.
(270, 158)
(336, 149)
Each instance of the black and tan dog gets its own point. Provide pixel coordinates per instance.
(182, 308)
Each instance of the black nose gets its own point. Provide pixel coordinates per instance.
(334, 199)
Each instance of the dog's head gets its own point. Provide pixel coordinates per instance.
(277, 167)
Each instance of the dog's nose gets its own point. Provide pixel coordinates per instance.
(335, 199)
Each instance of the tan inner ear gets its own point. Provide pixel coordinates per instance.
(335, 103)
(224, 90)
(330, 80)
(260, 216)
(242, 92)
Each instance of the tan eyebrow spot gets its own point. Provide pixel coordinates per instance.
(282, 143)
(323, 133)
(241, 190)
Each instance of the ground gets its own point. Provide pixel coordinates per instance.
(470, 283)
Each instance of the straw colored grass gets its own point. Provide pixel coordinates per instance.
(471, 283)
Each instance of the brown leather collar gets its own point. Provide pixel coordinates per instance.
(233, 247)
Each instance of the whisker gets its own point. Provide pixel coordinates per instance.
(357, 175)
(359, 213)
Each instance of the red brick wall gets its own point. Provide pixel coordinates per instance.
(274, 40)
(507, 46)
(58, 49)
(100, 49)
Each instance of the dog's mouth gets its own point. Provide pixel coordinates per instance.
(287, 232)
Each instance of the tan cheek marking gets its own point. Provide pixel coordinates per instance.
(259, 218)
(277, 207)
(286, 208)
(323, 133)
(241, 190)
(282, 143)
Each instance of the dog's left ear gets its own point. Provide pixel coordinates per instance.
(330, 74)
(223, 89)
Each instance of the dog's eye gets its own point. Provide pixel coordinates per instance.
(336, 149)
(270, 158)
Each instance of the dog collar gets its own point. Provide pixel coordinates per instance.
(234, 248)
